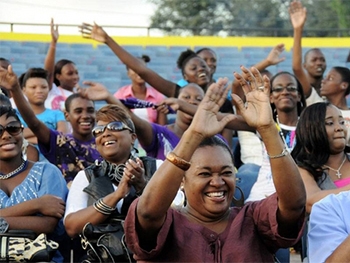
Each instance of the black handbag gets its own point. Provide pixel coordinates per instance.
(105, 242)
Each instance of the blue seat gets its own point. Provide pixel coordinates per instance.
(24, 50)
(156, 49)
(4, 49)
(19, 68)
(5, 43)
(41, 46)
(87, 68)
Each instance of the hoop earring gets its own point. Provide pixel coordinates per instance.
(238, 202)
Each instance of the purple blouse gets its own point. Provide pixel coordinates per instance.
(69, 154)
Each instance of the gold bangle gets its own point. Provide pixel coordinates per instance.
(282, 154)
(177, 161)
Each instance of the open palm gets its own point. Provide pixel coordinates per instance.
(297, 14)
(257, 109)
(94, 32)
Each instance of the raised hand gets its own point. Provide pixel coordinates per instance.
(95, 91)
(257, 109)
(94, 32)
(51, 205)
(54, 31)
(297, 14)
(8, 78)
(274, 56)
(205, 121)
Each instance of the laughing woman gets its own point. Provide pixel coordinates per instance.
(98, 193)
(157, 233)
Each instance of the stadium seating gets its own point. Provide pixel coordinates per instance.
(101, 65)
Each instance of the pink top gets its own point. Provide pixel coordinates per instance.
(342, 182)
(152, 95)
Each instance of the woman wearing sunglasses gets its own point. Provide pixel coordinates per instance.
(32, 195)
(101, 192)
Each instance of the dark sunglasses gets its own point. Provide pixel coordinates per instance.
(112, 126)
(279, 89)
(13, 128)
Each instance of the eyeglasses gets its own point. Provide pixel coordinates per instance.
(112, 126)
(279, 89)
(13, 128)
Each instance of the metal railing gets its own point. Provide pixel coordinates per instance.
(156, 31)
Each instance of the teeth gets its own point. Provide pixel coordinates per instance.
(202, 75)
(85, 123)
(215, 194)
(319, 69)
(107, 143)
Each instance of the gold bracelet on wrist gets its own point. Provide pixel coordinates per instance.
(282, 154)
(177, 161)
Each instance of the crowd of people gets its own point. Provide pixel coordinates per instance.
(179, 191)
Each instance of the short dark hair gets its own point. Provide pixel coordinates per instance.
(9, 111)
(311, 50)
(345, 76)
(70, 98)
(217, 141)
(205, 49)
(33, 73)
(112, 112)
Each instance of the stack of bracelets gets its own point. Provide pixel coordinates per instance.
(103, 208)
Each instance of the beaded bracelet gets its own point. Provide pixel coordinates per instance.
(102, 207)
(282, 154)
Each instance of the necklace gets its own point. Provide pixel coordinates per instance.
(18, 170)
(338, 173)
(290, 135)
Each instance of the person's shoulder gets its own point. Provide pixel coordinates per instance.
(154, 93)
(123, 91)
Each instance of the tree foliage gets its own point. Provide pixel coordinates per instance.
(248, 17)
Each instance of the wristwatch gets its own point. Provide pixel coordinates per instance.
(3, 225)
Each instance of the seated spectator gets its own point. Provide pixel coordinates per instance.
(204, 165)
(310, 73)
(32, 195)
(34, 84)
(70, 152)
(321, 154)
(109, 181)
(287, 102)
(329, 239)
(138, 89)
(29, 151)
